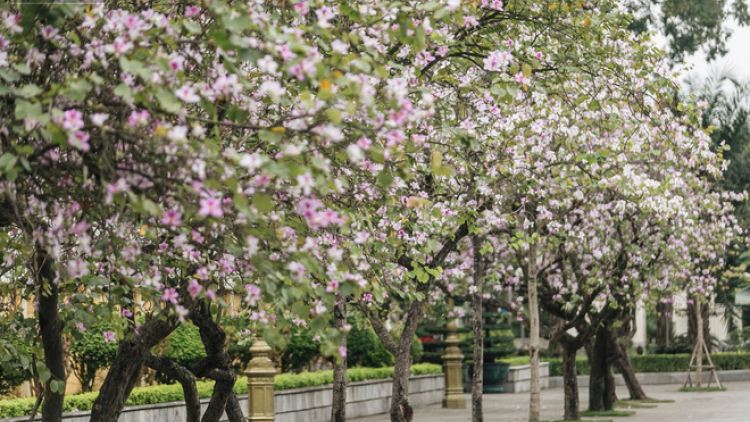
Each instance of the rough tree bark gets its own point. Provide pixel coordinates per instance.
(533, 297)
(663, 323)
(126, 369)
(50, 327)
(477, 308)
(570, 377)
(216, 366)
(185, 378)
(623, 365)
(601, 381)
(400, 351)
(338, 408)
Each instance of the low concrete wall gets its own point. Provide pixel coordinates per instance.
(519, 378)
(364, 398)
(661, 378)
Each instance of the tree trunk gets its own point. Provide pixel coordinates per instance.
(693, 318)
(602, 382)
(663, 323)
(478, 377)
(338, 407)
(233, 409)
(623, 365)
(185, 378)
(570, 380)
(225, 380)
(124, 372)
(50, 327)
(400, 410)
(536, 386)
(216, 366)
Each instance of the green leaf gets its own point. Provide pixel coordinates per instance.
(262, 201)
(526, 69)
(192, 26)
(168, 101)
(135, 67)
(384, 178)
(78, 90)
(25, 109)
(7, 162)
(29, 91)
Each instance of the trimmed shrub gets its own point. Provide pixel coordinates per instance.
(173, 393)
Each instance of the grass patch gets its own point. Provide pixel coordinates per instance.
(589, 413)
(634, 404)
(651, 401)
(587, 420)
(701, 389)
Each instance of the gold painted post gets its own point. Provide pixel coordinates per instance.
(452, 359)
(260, 374)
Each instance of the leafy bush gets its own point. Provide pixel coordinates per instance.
(171, 393)
(302, 349)
(91, 353)
(364, 348)
(185, 345)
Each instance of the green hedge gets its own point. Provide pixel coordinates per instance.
(171, 393)
(647, 363)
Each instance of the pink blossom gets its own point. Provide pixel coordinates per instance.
(211, 294)
(191, 11)
(194, 288)
(138, 118)
(170, 295)
(342, 352)
(497, 61)
(172, 218)
(79, 140)
(72, 120)
(109, 337)
(211, 207)
(80, 327)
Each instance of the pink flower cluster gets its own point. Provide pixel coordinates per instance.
(316, 216)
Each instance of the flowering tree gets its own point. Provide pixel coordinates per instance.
(154, 158)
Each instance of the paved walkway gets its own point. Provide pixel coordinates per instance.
(732, 405)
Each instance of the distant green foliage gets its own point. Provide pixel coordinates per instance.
(13, 372)
(185, 345)
(300, 351)
(364, 348)
(171, 393)
(689, 25)
(91, 353)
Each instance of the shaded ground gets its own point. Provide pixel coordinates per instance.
(732, 405)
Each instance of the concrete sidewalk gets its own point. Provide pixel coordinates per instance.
(732, 405)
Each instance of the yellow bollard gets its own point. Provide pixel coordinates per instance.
(452, 359)
(260, 374)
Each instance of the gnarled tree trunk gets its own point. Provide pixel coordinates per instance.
(602, 382)
(124, 372)
(623, 365)
(185, 378)
(50, 327)
(570, 378)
